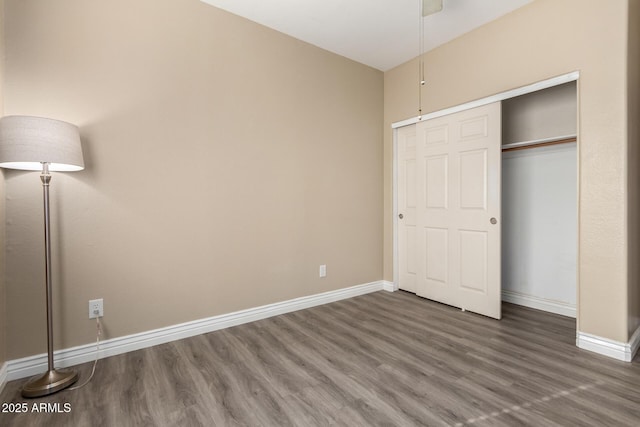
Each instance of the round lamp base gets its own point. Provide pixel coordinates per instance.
(50, 382)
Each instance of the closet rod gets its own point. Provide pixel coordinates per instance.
(539, 143)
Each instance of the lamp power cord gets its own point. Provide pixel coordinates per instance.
(95, 362)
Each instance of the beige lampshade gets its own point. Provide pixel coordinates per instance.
(26, 142)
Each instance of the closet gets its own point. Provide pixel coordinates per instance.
(539, 199)
(487, 204)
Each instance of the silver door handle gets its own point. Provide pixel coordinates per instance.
(400, 216)
(493, 221)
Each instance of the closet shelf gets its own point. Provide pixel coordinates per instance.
(539, 143)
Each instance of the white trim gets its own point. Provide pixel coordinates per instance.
(32, 365)
(610, 348)
(3, 375)
(389, 286)
(538, 303)
(545, 84)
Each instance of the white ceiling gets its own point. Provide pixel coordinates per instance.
(378, 33)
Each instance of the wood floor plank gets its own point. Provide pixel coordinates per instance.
(389, 359)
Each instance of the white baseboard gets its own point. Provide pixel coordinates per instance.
(389, 286)
(530, 301)
(3, 375)
(606, 347)
(32, 365)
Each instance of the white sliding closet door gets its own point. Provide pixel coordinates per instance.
(407, 202)
(449, 199)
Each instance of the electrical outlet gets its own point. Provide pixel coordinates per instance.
(323, 270)
(95, 308)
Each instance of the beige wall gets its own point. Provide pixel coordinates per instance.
(544, 39)
(3, 319)
(225, 163)
(633, 118)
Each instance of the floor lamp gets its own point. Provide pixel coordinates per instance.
(36, 143)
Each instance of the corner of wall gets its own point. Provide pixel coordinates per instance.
(633, 165)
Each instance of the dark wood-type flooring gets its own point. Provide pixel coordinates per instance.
(388, 359)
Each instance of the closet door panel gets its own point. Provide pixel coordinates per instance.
(473, 179)
(436, 242)
(436, 182)
(408, 194)
(434, 211)
(473, 261)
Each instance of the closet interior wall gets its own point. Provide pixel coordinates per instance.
(539, 199)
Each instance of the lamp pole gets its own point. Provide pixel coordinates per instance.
(53, 380)
(45, 177)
